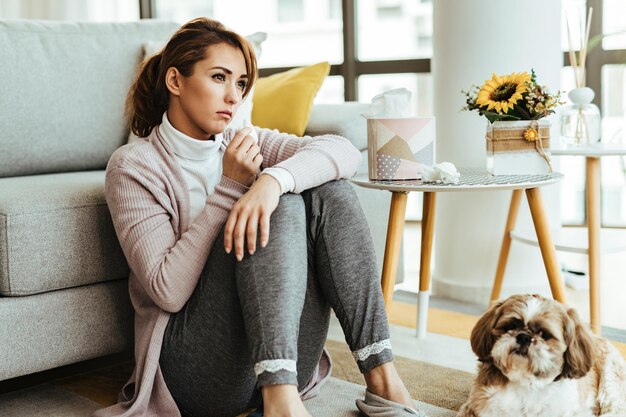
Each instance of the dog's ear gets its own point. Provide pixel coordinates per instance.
(482, 338)
(580, 354)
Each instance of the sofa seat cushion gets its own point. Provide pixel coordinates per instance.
(56, 232)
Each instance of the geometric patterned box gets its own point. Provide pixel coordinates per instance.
(398, 147)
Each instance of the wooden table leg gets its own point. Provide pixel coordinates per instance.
(593, 229)
(428, 228)
(395, 227)
(548, 252)
(516, 197)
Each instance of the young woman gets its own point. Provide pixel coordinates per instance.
(239, 244)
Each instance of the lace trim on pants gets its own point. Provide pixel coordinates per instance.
(274, 365)
(373, 349)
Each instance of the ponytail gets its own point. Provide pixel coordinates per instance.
(149, 97)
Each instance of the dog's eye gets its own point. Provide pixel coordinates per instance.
(512, 325)
(545, 335)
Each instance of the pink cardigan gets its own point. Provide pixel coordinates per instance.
(149, 204)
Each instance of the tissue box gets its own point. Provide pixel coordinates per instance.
(509, 153)
(398, 147)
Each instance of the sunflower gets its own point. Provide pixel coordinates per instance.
(501, 93)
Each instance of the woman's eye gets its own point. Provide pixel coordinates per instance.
(242, 85)
(220, 77)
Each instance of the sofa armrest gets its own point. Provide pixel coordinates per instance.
(343, 119)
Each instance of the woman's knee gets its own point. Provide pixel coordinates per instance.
(289, 215)
(334, 196)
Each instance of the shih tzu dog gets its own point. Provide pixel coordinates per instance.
(536, 359)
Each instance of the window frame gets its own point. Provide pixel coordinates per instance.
(352, 67)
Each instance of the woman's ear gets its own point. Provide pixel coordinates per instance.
(172, 80)
(580, 354)
(482, 338)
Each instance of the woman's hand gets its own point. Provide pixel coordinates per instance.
(252, 210)
(242, 159)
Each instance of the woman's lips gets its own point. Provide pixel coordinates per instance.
(225, 114)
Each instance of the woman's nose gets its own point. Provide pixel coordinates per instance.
(233, 95)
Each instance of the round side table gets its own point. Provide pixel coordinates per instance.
(472, 179)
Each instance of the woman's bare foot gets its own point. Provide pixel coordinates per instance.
(282, 401)
(385, 382)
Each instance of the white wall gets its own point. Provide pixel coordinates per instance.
(473, 39)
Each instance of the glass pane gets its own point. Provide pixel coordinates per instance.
(574, 12)
(420, 85)
(86, 10)
(613, 131)
(334, 9)
(314, 38)
(394, 29)
(613, 21)
(332, 90)
(290, 10)
(572, 202)
(183, 10)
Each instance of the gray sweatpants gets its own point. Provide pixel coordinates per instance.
(264, 320)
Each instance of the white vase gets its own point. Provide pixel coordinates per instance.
(581, 121)
(509, 153)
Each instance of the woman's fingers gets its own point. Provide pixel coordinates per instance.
(264, 223)
(251, 233)
(229, 227)
(239, 234)
(239, 137)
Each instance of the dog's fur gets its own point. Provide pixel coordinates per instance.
(536, 359)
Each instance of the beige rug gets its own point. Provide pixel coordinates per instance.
(442, 387)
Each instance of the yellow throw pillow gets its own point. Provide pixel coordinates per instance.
(283, 101)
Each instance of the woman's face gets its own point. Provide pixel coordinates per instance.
(204, 102)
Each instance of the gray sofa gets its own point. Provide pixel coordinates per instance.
(63, 287)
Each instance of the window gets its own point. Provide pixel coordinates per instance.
(290, 11)
(613, 22)
(394, 29)
(299, 32)
(86, 10)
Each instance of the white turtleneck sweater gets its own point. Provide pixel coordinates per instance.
(201, 164)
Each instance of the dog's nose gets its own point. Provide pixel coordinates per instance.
(523, 339)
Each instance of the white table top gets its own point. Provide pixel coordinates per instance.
(591, 150)
(472, 179)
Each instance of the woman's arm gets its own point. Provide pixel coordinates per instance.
(312, 161)
(168, 268)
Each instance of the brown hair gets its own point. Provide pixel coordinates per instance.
(149, 97)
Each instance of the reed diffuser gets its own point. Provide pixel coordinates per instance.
(580, 121)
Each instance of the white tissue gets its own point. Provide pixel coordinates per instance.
(392, 103)
(443, 172)
(246, 123)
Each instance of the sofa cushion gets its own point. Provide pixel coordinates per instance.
(283, 101)
(62, 91)
(56, 232)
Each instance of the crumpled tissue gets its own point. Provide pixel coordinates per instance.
(443, 172)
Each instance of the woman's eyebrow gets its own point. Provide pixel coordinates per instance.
(229, 72)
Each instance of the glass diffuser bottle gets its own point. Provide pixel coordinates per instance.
(581, 121)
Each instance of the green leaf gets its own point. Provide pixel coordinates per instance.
(523, 113)
(495, 117)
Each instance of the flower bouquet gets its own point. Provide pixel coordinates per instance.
(518, 135)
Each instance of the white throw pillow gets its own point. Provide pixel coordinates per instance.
(245, 108)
